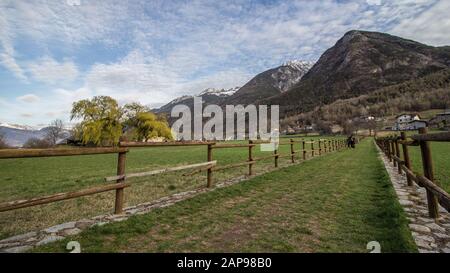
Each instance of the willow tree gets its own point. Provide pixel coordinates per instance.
(149, 125)
(100, 120)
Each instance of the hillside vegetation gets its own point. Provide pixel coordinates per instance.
(429, 92)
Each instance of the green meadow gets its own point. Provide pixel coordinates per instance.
(33, 177)
(335, 203)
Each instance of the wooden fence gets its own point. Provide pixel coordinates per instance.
(210, 166)
(402, 160)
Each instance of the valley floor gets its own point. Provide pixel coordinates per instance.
(336, 203)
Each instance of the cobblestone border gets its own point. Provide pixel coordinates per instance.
(431, 236)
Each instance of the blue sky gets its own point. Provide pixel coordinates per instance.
(55, 52)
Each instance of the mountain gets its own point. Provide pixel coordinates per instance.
(359, 63)
(270, 83)
(266, 84)
(209, 96)
(16, 135)
(388, 101)
(17, 126)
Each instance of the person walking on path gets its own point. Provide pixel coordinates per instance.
(349, 141)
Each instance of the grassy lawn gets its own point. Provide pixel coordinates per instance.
(440, 152)
(337, 203)
(33, 177)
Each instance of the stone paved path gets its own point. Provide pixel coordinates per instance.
(431, 236)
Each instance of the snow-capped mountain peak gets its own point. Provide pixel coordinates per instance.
(299, 64)
(290, 73)
(180, 99)
(219, 92)
(18, 127)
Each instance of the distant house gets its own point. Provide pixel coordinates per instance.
(367, 118)
(406, 122)
(441, 121)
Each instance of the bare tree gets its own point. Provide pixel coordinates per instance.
(36, 143)
(55, 131)
(3, 144)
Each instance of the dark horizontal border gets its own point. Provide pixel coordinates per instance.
(128, 262)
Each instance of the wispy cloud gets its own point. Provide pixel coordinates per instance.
(29, 98)
(153, 51)
(48, 70)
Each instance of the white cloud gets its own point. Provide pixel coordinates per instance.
(29, 98)
(143, 79)
(431, 26)
(374, 2)
(48, 70)
(9, 62)
(173, 48)
(26, 115)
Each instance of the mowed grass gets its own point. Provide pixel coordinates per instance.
(440, 152)
(34, 177)
(337, 203)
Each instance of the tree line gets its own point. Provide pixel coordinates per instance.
(104, 123)
(101, 121)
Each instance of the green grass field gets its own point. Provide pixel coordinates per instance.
(336, 203)
(33, 177)
(440, 152)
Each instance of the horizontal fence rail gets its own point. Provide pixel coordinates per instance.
(391, 147)
(160, 171)
(23, 153)
(312, 147)
(60, 196)
(161, 144)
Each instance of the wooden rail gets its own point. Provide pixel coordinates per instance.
(60, 196)
(121, 178)
(23, 153)
(209, 164)
(162, 144)
(391, 147)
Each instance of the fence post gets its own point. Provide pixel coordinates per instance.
(330, 147)
(292, 151)
(325, 147)
(209, 170)
(320, 148)
(276, 157)
(406, 157)
(250, 157)
(427, 162)
(386, 147)
(312, 147)
(118, 208)
(304, 149)
(393, 152)
(397, 150)
(389, 150)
